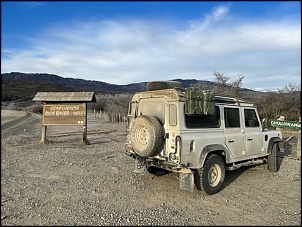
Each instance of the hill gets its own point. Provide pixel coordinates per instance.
(19, 88)
(92, 85)
(77, 84)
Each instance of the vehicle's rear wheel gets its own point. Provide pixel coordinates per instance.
(146, 135)
(159, 85)
(210, 177)
(272, 159)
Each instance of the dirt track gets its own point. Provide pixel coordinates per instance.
(65, 183)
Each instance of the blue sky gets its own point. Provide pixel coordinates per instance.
(123, 42)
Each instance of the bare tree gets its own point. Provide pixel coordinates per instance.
(222, 82)
(236, 85)
(289, 88)
(202, 85)
(286, 101)
(226, 86)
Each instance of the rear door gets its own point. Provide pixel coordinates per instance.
(154, 107)
(253, 135)
(234, 132)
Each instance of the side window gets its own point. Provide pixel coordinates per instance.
(203, 121)
(250, 118)
(231, 116)
(132, 108)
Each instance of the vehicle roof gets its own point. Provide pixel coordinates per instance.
(178, 94)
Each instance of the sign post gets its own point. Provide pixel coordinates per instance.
(65, 114)
(65, 108)
(292, 125)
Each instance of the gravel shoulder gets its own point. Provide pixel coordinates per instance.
(65, 183)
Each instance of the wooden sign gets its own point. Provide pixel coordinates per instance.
(64, 114)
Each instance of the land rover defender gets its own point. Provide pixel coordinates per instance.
(197, 134)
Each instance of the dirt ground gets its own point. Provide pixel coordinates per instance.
(66, 183)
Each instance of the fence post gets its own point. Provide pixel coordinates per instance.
(299, 143)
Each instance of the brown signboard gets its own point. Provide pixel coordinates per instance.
(64, 114)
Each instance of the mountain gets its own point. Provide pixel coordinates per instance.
(78, 84)
(93, 85)
(20, 88)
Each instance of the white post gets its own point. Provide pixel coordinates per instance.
(299, 143)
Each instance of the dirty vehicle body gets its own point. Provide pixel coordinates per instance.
(197, 134)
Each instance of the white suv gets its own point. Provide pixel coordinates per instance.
(197, 134)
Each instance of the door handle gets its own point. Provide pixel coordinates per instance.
(231, 141)
(249, 139)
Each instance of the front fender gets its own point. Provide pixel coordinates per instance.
(272, 141)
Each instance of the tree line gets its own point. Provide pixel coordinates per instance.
(271, 104)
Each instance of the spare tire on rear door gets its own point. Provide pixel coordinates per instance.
(146, 136)
(160, 85)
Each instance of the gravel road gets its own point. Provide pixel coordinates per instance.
(65, 183)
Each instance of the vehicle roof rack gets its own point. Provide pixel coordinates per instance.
(229, 100)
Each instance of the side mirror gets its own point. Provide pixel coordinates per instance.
(263, 124)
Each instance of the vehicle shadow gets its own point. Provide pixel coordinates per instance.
(231, 176)
(289, 147)
(289, 150)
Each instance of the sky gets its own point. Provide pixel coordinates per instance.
(124, 42)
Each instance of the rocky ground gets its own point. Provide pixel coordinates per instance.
(66, 183)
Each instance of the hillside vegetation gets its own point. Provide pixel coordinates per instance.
(18, 90)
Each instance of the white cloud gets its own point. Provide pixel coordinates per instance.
(33, 4)
(129, 51)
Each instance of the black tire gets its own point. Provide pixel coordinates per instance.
(272, 159)
(146, 136)
(160, 85)
(210, 177)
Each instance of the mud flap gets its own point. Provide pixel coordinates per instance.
(186, 181)
(281, 146)
(140, 165)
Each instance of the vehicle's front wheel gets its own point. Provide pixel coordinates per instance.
(272, 159)
(210, 177)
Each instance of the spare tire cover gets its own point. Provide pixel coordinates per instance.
(146, 136)
(160, 85)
